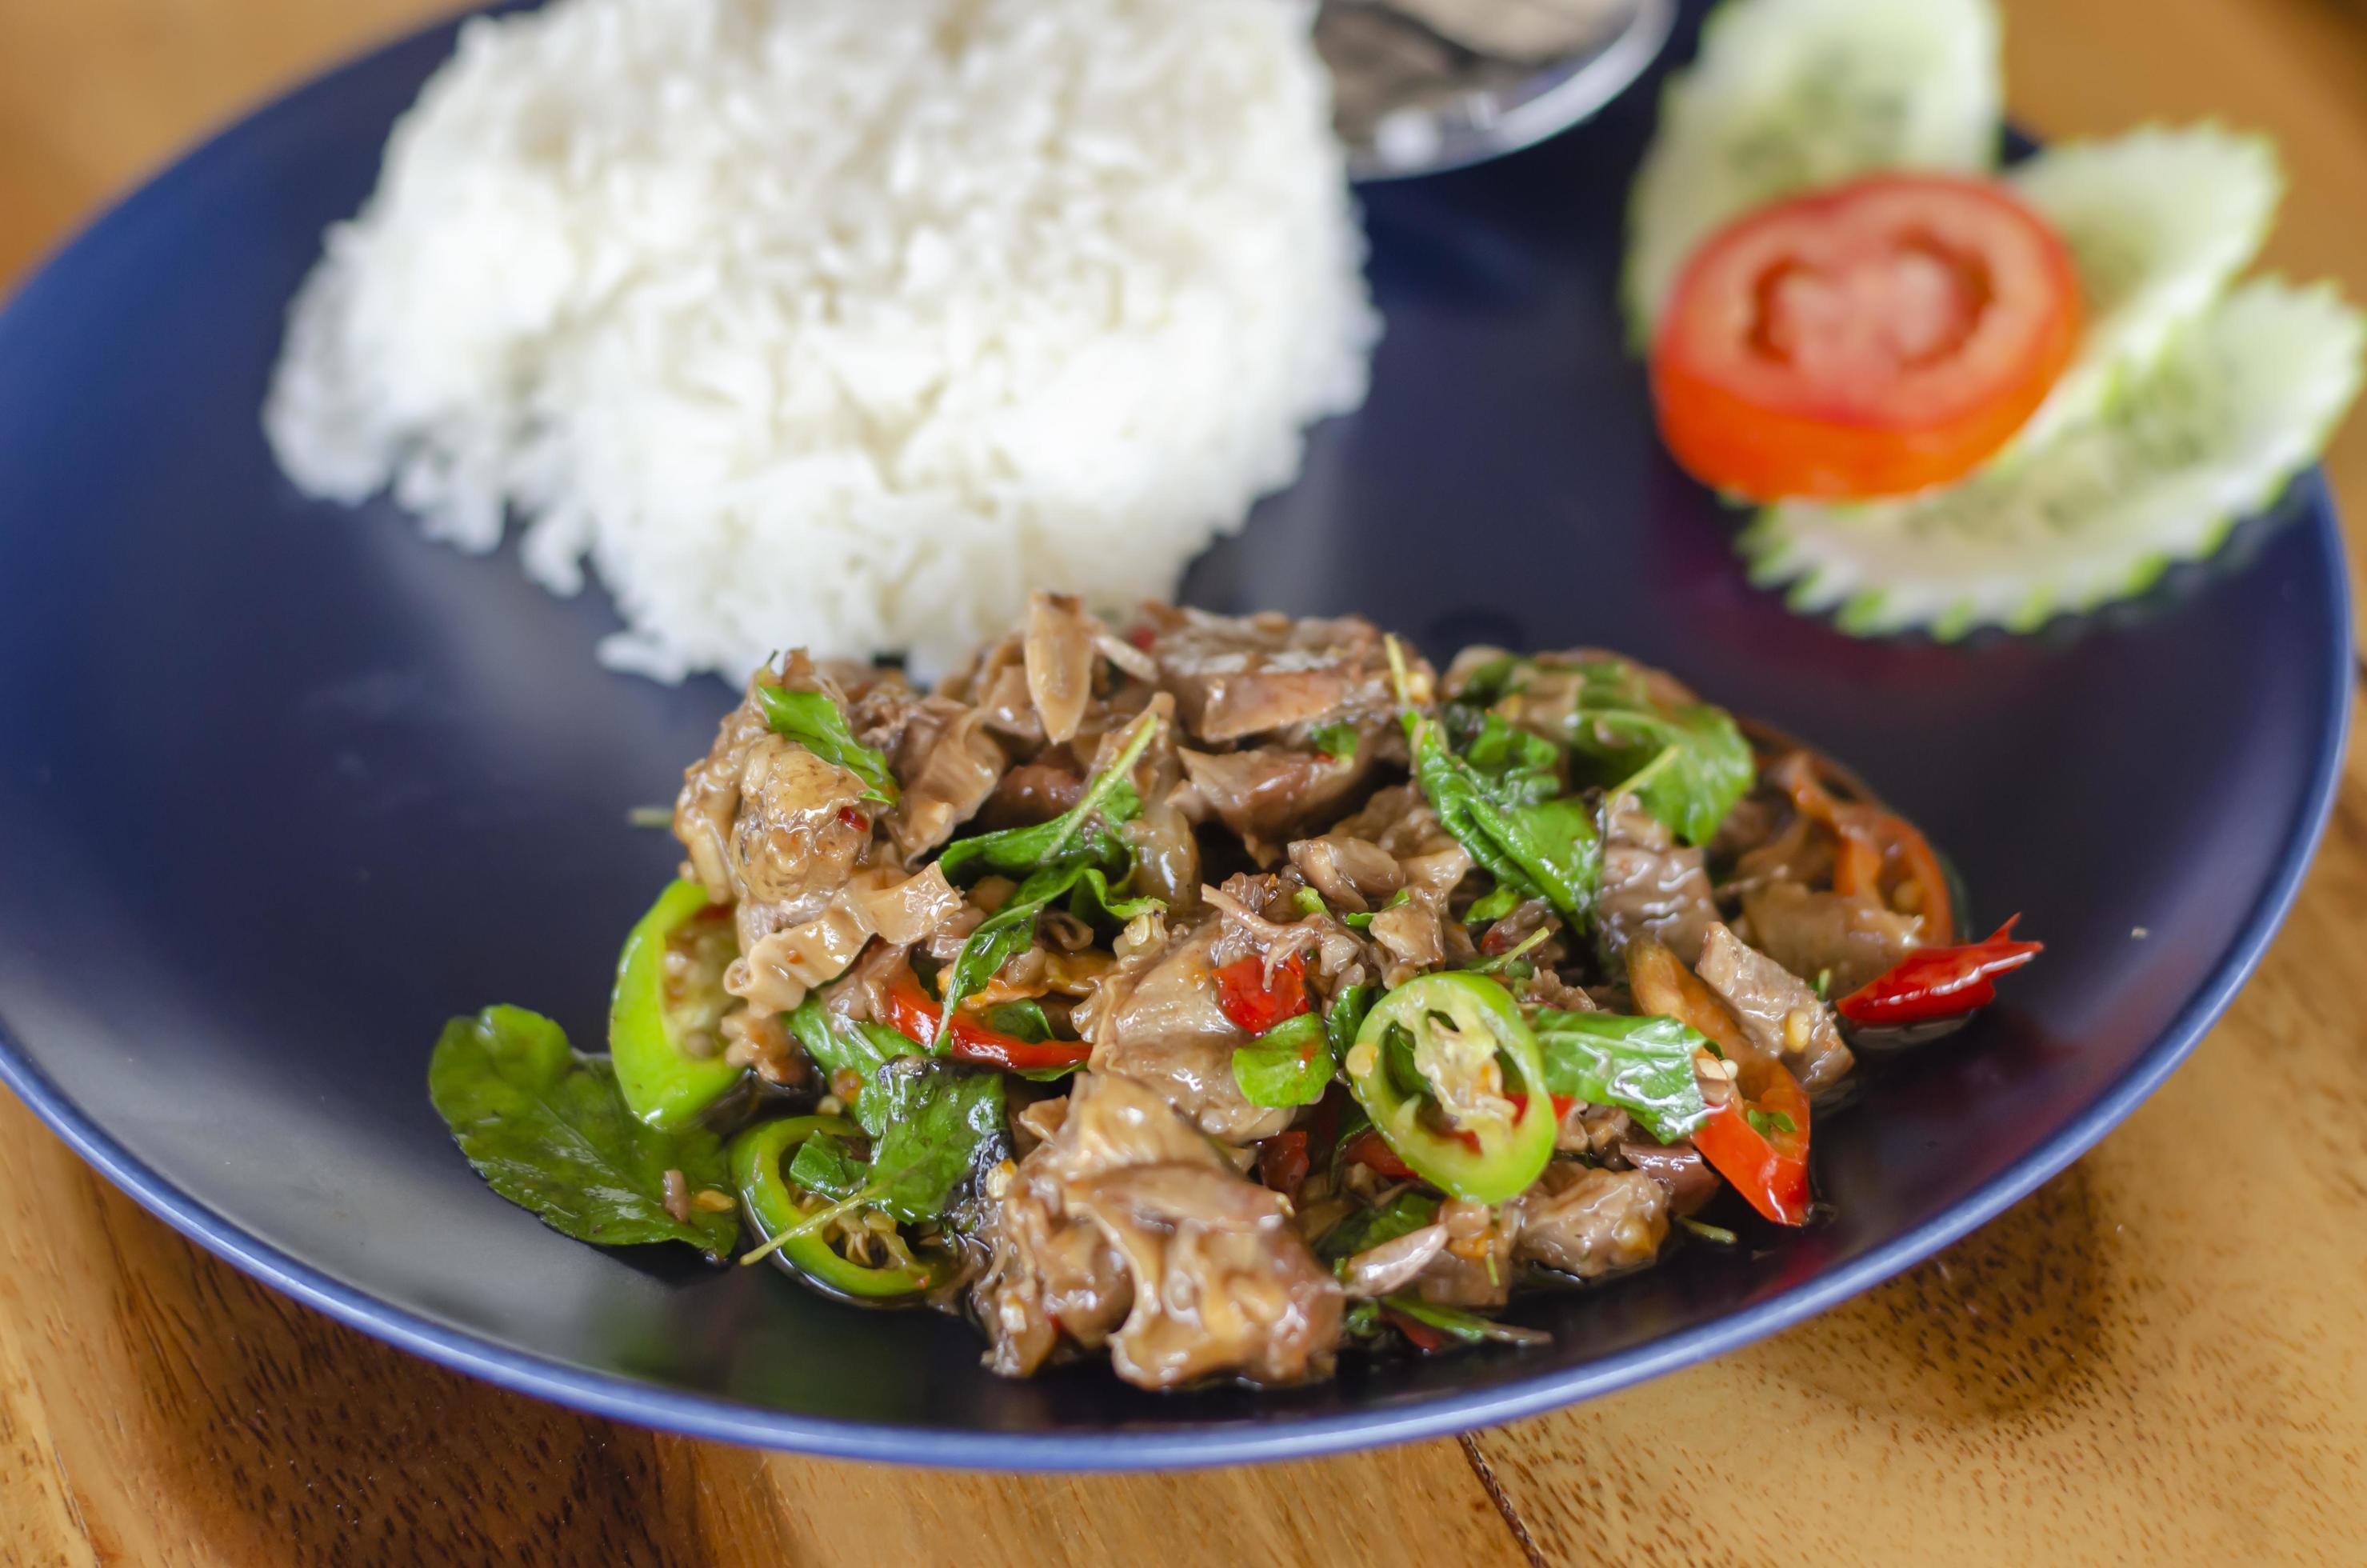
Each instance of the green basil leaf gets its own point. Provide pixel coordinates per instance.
(1492, 906)
(1006, 932)
(1021, 1020)
(548, 1129)
(823, 1163)
(1407, 1212)
(1644, 1066)
(1689, 762)
(1290, 1064)
(1080, 835)
(836, 1044)
(1554, 842)
(998, 938)
(1529, 763)
(1704, 766)
(1347, 1015)
(814, 721)
(1049, 1074)
(1495, 680)
(939, 1125)
(1510, 821)
(1093, 900)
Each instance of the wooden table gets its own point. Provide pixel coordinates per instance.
(2135, 1363)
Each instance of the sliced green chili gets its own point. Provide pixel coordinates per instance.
(663, 1017)
(758, 1156)
(1453, 1079)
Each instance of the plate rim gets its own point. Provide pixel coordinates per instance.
(619, 1397)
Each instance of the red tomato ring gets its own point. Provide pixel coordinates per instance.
(1875, 339)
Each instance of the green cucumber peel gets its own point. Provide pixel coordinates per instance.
(2157, 221)
(2242, 399)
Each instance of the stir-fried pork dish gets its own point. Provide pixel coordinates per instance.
(1210, 994)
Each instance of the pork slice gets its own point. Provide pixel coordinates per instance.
(1589, 1223)
(1267, 793)
(1126, 1228)
(1239, 675)
(1652, 886)
(1810, 933)
(1783, 1015)
(949, 765)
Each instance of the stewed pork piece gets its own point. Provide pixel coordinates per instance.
(764, 818)
(1237, 676)
(1126, 1227)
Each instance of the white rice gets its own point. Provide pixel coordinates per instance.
(840, 323)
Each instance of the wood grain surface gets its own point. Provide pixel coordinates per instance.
(2160, 1357)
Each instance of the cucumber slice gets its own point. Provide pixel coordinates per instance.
(2241, 398)
(1787, 95)
(2157, 222)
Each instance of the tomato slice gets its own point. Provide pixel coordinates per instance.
(912, 1014)
(1873, 339)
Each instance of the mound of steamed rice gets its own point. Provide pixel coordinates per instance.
(841, 323)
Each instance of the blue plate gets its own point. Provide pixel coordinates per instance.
(281, 787)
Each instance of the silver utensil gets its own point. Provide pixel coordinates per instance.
(1421, 87)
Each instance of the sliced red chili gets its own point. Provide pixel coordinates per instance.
(1867, 841)
(1766, 1161)
(1370, 1148)
(1759, 1142)
(1253, 1001)
(1282, 1162)
(1938, 982)
(912, 1014)
(1424, 1337)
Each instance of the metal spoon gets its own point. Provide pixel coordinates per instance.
(1421, 87)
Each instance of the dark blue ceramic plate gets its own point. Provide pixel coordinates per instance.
(282, 787)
